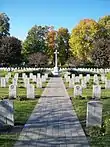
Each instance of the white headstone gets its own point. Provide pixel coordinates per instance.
(94, 113)
(80, 76)
(9, 74)
(38, 75)
(43, 78)
(3, 82)
(30, 91)
(26, 82)
(77, 79)
(15, 81)
(24, 75)
(103, 78)
(73, 76)
(12, 91)
(6, 112)
(34, 78)
(6, 78)
(67, 78)
(83, 83)
(31, 75)
(77, 90)
(39, 83)
(96, 80)
(16, 76)
(88, 77)
(46, 75)
(96, 91)
(107, 84)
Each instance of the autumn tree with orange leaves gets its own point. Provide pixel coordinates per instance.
(51, 36)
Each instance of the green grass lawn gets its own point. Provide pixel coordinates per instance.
(22, 109)
(3, 73)
(108, 75)
(98, 137)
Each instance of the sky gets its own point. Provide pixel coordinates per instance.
(24, 14)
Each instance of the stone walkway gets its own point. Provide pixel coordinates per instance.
(53, 122)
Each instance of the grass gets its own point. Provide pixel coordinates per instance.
(97, 137)
(22, 111)
(108, 76)
(23, 107)
(3, 73)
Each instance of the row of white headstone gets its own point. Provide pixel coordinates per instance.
(77, 79)
(88, 70)
(23, 69)
(80, 78)
(78, 89)
(96, 92)
(7, 105)
(38, 79)
(94, 107)
(93, 116)
(29, 87)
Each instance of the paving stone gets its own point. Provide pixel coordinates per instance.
(53, 122)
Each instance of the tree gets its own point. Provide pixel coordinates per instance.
(63, 44)
(101, 53)
(82, 37)
(58, 40)
(38, 59)
(10, 51)
(105, 22)
(36, 40)
(73, 61)
(4, 25)
(51, 36)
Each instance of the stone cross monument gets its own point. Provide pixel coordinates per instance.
(55, 70)
(56, 58)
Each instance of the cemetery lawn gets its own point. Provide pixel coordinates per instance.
(108, 75)
(3, 73)
(22, 110)
(97, 137)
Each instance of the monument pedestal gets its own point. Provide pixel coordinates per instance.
(55, 71)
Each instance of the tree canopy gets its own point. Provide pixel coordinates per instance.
(101, 46)
(88, 43)
(63, 44)
(38, 59)
(4, 25)
(81, 39)
(101, 53)
(10, 51)
(51, 37)
(36, 40)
